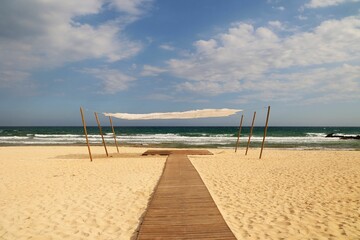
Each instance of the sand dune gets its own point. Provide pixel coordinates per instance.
(288, 194)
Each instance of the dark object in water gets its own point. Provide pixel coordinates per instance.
(351, 137)
(334, 135)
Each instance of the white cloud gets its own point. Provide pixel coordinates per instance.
(11, 78)
(206, 47)
(167, 47)
(151, 71)
(276, 2)
(318, 83)
(326, 3)
(113, 81)
(302, 17)
(134, 7)
(280, 8)
(276, 24)
(247, 58)
(304, 86)
(36, 34)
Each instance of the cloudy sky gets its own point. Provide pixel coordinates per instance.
(302, 57)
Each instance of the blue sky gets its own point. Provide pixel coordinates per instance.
(142, 56)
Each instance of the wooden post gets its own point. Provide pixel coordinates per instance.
(112, 127)
(101, 133)
(265, 131)
(239, 133)
(85, 131)
(251, 130)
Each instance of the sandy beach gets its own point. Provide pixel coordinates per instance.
(57, 193)
(289, 194)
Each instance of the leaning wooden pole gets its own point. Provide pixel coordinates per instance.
(112, 127)
(251, 130)
(85, 131)
(101, 133)
(239, 133)
(265, 131)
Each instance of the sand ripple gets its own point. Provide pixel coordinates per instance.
(43, 197)
(287, 195)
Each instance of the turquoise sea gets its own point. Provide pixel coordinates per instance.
(278, 137)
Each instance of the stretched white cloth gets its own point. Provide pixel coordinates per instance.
(204, 113)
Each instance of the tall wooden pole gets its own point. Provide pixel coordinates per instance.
(265, 131)
(112, 127)
(85, 131)
(101, 133)
(251, 130)
(239, 133)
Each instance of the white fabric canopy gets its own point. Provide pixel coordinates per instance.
(204, 113)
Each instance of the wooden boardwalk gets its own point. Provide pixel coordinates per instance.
(182, 207)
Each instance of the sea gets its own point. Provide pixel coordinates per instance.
(185, 137)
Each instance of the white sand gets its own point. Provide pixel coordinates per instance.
(287, 195)
(55, 193)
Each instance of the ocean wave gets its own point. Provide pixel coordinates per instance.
(225, 139)
(310, 134)
(300, 139)
(344, 135)
(57, 135)
(35, 142)
(13, 138)
(47, 143)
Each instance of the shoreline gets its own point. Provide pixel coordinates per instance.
(160, 146)
(56, 192)
(183, 137)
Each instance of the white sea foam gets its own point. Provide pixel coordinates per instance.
(56, 135)
(169, 138)
(316, 134)
(13, 138)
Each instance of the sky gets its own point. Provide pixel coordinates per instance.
(301, 57)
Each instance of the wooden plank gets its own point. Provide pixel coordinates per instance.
(181, 206)
(182, 152)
